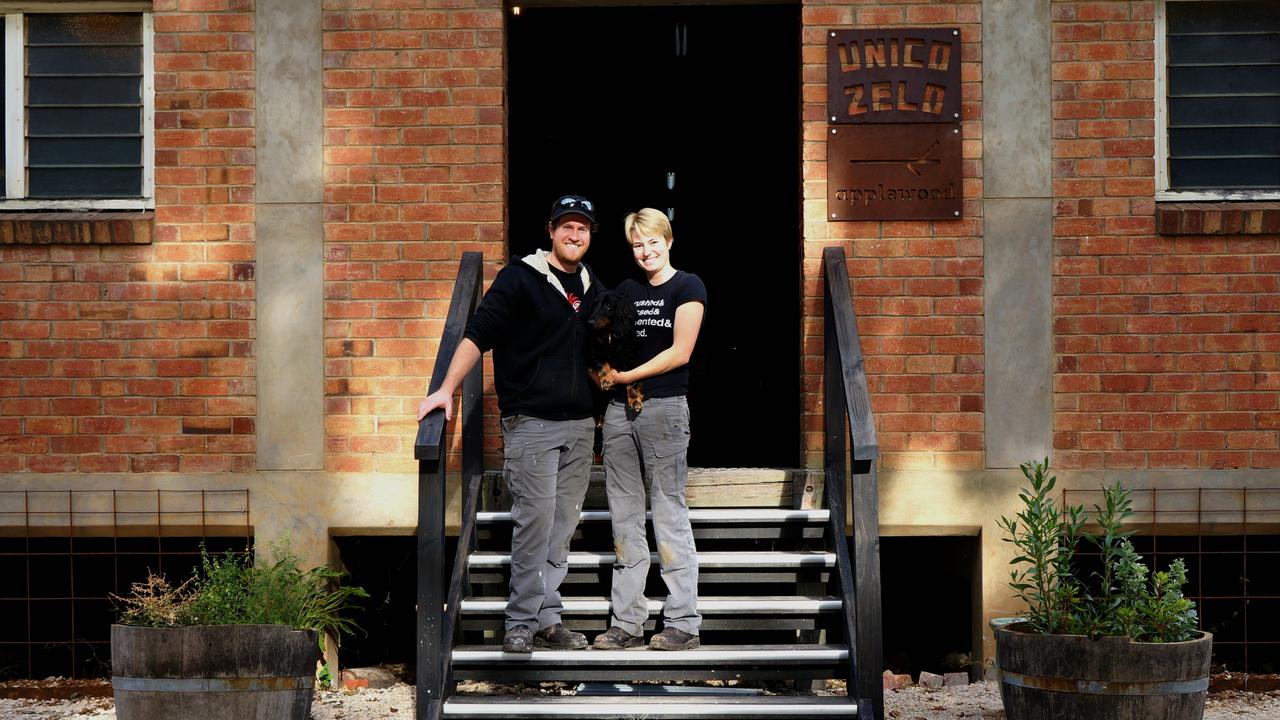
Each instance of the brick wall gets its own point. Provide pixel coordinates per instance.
(1167, 347)
(138, 358)
(917, 286)
(413, 178)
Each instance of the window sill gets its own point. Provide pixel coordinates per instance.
(77, 228)
(1218, 218)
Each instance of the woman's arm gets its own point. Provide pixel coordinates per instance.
(684, 336)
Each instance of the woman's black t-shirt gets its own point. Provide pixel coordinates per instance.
(655, 326)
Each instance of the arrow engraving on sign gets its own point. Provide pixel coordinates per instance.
(909, 163)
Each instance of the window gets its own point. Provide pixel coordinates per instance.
(78, 111)
(1218, 100)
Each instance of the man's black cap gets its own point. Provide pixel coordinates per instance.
(575, 204)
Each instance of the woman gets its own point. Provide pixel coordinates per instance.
(652, 445)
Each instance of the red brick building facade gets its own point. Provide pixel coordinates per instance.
(130, 338)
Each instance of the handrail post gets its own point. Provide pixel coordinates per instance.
(866, 580)
(472, 408)
(434, 648)
(846, 395)
(833, 422)
(431, 496)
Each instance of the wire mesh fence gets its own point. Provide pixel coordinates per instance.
(1229, 539)
(64, 553)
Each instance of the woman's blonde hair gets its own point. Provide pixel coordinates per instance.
(647, 222)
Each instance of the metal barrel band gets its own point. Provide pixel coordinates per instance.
(1099, 687)
(211, 684)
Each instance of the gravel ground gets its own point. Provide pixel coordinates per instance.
(980, 701)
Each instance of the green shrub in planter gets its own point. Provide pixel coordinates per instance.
(237, 639)
(228, 589)
(1120, 643)
(1119, 600)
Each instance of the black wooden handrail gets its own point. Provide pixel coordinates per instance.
(845, 397)
(459, 583)
(850, 364)
(466, 293)
(435, 639)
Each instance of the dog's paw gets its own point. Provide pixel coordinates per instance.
(635, 398)
(602, 376)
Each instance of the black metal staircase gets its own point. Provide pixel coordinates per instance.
(784, 596)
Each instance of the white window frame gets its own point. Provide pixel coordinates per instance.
(1163, 193)
(15, 144)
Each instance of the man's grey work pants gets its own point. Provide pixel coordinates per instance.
(547, 465)
(646, 458)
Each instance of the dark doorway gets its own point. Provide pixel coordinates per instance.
(929, 587)
(619, 103)
(385, 566)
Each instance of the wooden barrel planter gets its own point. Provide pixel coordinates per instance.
(213, 672)
(1108, 678)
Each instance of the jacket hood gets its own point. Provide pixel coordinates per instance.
(538, 261)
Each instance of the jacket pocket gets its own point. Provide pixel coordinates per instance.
(551, 383)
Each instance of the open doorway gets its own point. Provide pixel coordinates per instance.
(930, 591)
(694, 111)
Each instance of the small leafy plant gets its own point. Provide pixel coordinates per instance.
(1117, 600)
(229, 589)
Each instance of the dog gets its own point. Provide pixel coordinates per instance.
(613, 344)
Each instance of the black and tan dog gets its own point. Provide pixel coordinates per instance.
(613, 343)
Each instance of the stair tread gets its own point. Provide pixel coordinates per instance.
(706, 604)
(765, 473)
(640, 698)
(698, 516)
(774, 654)
(802, 558)
(574, 708)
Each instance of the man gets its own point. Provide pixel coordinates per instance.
(534, 319)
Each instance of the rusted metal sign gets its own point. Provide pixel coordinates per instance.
(893, 75)
(894, 172)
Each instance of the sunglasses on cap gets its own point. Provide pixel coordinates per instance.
(570, 203)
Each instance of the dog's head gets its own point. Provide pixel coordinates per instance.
(612, 316)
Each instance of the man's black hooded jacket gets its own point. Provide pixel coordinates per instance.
(538, 340)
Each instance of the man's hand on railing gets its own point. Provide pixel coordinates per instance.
(460, 364)
(438, 399)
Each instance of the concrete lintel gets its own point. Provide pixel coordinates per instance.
(305, 506)
(1136, 479)
(929, 530)
(921, 502)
